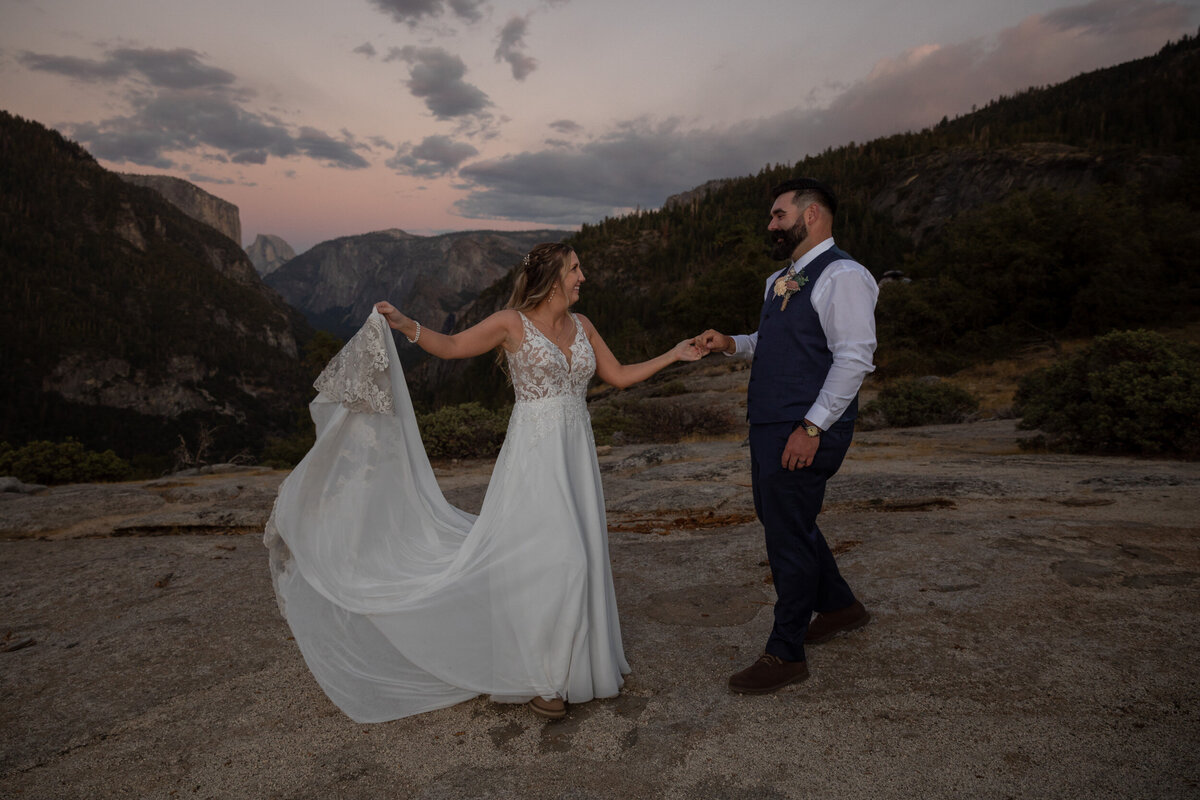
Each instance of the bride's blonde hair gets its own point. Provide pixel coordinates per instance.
(539, 275)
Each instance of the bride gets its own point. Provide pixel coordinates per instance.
(402, 603)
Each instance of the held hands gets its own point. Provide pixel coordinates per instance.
(711, 341)
(688, 350)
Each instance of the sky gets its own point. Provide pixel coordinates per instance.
(327, 118)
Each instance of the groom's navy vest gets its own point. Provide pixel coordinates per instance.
(792, 356)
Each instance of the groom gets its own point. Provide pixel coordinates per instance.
(813, 347)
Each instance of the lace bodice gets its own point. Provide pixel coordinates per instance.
(539, 369)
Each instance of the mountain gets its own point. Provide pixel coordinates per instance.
(268, 253)
(193, 201)
(127, 323)
(431, 278)
(1064, 210)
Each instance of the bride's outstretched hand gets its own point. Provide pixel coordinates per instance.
(687, 350)
(390, 313)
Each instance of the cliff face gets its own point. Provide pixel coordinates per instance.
(268, 253)
(193, 201)
(431, 278)
(923, 194)
(691, 197)
(129, 324)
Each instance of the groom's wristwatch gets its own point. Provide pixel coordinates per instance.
(812, 430)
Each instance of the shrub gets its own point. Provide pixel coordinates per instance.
(607, 421)
(463, 431)
(1128, 392)
(61, 462)
(908, 403)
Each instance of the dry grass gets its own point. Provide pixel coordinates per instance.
(995, 383)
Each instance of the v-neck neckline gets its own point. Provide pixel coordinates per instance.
(568, 354)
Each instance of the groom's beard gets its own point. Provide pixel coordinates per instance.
(787, 241)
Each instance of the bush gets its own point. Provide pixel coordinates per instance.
(61, 462)
(463, 431)
(908, 403)
(1128, 392)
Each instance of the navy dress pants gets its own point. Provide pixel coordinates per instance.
(787, 503)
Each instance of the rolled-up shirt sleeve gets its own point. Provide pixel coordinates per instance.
(844, 299)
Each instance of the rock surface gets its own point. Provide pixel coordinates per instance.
(1034, 620)
(268, 253)
(193, 201)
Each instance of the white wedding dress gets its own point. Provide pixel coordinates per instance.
(402, 603)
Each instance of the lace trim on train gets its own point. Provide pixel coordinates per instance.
(358, 376)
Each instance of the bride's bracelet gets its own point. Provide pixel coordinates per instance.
(414, 339)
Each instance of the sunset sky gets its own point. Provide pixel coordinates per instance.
(322, 119)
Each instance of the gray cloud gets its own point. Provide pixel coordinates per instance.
(84, 69)
(366, 48)
(411, 12)
(544, 210)
(169, 69)
(436, 76)
(190, 105)
(566, 127)
(641, 162)
(320, 146)
(468, 9)
(432, 158)
(175, 121)
(512, 48)
(196, 177)
(1118, 17)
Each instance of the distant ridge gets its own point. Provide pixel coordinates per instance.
(432, 278)
(126, 323)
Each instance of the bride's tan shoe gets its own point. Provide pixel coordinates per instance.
(550, 709)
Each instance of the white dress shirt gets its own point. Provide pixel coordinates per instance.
(844, 297)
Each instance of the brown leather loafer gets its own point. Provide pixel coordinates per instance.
(768, 674)
(829, 624)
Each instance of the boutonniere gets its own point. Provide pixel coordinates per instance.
(788, 284)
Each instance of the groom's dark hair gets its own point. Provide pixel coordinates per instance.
(813, 189)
